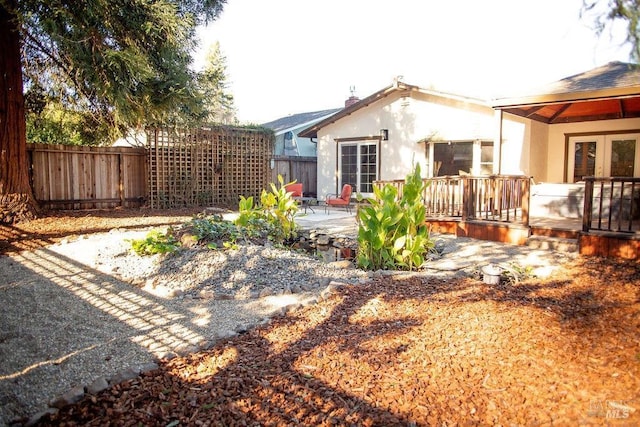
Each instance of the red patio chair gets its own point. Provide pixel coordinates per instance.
(295, 190)
(342, 199)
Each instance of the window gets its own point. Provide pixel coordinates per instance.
(584, 160)
(460, 157)
(486, 157)
(623, 154)
(368, 167)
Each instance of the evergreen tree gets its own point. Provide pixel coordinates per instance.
(627, 11)
(124, 62)
(218, 103)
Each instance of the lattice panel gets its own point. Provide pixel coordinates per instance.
(207, 167)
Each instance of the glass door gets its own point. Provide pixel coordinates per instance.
(622, 155)
(583, 157)
(368, 162)
(358, 166)
(603, 155)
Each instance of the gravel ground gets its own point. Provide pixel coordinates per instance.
(88, 307)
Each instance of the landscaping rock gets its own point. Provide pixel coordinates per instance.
(265, 292)
(70, 397)
(98, 385)
(323, 240)
(124, 375)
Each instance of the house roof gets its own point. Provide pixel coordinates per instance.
(397, 86)
(287, 123)
(608, 92)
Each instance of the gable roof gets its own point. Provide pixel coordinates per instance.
(397, 86)
(287, 123)
(611, 91)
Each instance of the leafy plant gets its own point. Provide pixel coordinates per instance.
(214, 228)
(274, 216)
(155, 242)
(392, 234)
(273, 219)
(514, 272)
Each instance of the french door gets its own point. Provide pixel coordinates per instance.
(603, 156)
(358, 166)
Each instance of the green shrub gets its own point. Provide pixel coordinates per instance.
(155, 242)
(213, 228)
(392, 234)
(514, 272)
(273, 217)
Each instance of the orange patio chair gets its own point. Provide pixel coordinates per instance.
(295, 190)
(342, 199)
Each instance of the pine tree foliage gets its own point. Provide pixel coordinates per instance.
(627, 11)
(122, 63)
(218, 102)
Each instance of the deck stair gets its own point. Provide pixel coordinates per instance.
(562, 239)
(558, 244)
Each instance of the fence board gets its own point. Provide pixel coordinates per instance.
(81, 177)
(301, 169)
(198, 167)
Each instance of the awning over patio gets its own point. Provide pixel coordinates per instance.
(608, 92)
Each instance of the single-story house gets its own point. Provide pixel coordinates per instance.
(586, 125)
(294, 157)
(542, 135)
(382, 135)
(286, 129)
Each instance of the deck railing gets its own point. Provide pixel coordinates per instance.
(611, 204)
(496, 198)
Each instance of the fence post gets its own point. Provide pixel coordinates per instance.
(526, 199)
(468, 204)
(588, 203)
(121, 178)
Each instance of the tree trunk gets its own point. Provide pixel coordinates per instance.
(16, 199)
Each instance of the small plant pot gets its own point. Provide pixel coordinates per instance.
(491, 274)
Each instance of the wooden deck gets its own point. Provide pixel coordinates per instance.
(499, 208)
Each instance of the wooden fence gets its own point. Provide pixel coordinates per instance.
(81, 177)
(201, 167)
(301, 169)
(205, 167)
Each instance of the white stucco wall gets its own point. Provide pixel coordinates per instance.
(524, 147)
(412, 119)
(557, 141)
(528, 147)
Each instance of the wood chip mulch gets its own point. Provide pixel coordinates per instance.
(411, 351)
(58, 225)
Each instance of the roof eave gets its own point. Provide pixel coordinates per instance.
(307, 123)
(556, 98)
(312, 132)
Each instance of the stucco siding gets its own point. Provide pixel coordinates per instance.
(516, 133)
(411, 122)
(413, 119)
(538, 145)
(524, 147)
(556, 158)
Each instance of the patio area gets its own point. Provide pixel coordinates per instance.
(338, 221)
